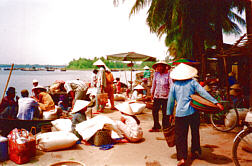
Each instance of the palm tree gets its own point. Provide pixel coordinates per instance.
(189, 24)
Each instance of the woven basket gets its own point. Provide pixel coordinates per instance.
(68, 163)
(102, 137)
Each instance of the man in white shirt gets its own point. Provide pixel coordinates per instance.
(27, 107)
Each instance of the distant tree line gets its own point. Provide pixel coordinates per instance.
(85, 64)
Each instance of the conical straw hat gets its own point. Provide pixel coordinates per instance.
(235, 86)
(162, 62)
(146, 67)
(125, 108)
(101, 63)
(233, 92)
(139, 87)
(183, 72)
(79, 105)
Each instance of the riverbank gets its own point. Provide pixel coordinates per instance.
(151, 151)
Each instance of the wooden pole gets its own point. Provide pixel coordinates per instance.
(131, 76)
(12, 65)
(226, 76)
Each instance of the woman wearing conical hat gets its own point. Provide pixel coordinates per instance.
(159, 92)
(181, 90)
(129, 125)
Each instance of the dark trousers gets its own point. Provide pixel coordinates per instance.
(156, 106)
(181, 133)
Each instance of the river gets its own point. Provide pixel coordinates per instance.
(23, 79)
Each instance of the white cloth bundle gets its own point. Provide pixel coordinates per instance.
(56, 140)
(89, 127)
(62, 125)
(137, 108)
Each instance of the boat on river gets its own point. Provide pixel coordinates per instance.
(9, 124)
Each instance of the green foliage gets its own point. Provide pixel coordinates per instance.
(83, 63)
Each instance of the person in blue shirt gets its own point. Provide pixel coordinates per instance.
(181, 90)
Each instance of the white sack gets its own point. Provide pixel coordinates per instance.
(137, 108)
(89, 127)
(56, 140)
(62, 125)
(50, 115)
(231, 116)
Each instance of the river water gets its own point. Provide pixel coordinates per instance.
(23, 79)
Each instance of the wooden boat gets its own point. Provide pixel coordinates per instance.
(9, 124)
(63, 69)
(50, 69)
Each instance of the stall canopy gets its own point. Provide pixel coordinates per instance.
(130, 56)
(183, 60)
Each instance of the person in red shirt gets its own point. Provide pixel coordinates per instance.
(9, 106)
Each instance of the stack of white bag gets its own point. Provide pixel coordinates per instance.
(56, 140)
(88, 128)
(231, 116)
(137, 108)
(62, 125)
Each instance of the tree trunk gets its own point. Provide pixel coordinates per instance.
(219, 47)
(249, 32)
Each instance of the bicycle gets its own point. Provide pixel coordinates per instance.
(227, 119)
(242, 146)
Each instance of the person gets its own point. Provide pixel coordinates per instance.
(94, 78)
(35, 83)
(147, 75)
(78, 112)
(118, 86)
(236, 94)
(144, 84)
(44, 99)
(231, 79)
(76, 89)
(9, 106)
(186, 115)
(129, 125)
(27, 107)
(104, 78)
(159, 92)
(109, 87)
(101, 83)
(138, 92)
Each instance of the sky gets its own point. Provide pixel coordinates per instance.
(58, 31)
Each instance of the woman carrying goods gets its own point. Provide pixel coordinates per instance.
(181, 90)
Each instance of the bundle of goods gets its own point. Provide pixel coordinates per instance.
(62, 125)
(22, 145)
(56, 140)
(137, 108)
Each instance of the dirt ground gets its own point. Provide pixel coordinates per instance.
(151, 151)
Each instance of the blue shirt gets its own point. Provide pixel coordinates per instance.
(181, 92)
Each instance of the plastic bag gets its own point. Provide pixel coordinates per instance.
(22, 145)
